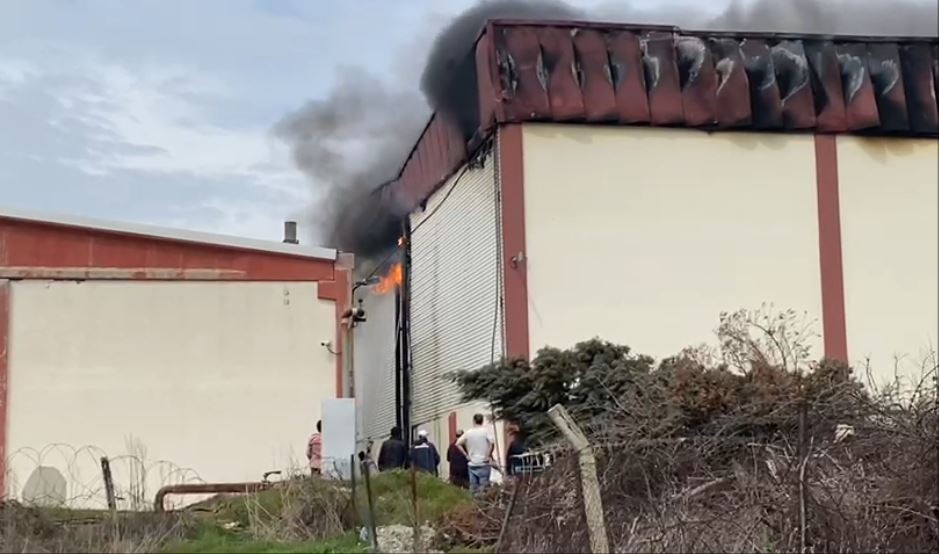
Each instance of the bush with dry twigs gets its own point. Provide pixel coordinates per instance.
(747, 448)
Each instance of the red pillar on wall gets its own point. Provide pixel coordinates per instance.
(514, 257)
(834, 327)
(4, 357)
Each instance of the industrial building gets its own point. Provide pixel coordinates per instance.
(181, 356)
(632, 183)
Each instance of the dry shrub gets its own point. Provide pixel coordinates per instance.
(300, 509)
(738, 450)
(27, 529)
(751, 480)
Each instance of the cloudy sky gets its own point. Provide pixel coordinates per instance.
(160, 111)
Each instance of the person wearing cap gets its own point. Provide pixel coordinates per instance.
(459, 468)
(424, 456)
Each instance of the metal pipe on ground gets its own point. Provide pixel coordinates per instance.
(207, 488)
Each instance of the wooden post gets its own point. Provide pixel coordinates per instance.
(352, 470)
(108, 483)
(593, 503)
(416, 529)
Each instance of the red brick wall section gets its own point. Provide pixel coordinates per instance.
(4, 356)
(451, 426)
(515, 272)
(338, 291)
(35, 250)
(834, 328)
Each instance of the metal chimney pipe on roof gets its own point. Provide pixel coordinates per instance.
(290, 232)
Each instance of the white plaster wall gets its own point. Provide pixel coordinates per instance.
(643, 236)
(889, 228)
(223, 378)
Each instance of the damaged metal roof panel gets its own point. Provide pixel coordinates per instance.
(663, 76)
(439, 151)
(569, 71)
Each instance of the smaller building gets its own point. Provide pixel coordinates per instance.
(181, 356)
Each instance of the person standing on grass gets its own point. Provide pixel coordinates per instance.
(393, 453)
(477, 446)
(424, 454)
(459, 471)
(314, 450)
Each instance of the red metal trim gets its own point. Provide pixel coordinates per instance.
(765, 102)
(834, 328)
(860, 102)
(339, 293)
(565, 97)
(451, 427)
(664, 85)
(592, 61)
(47, 248)
(827, 79)
(515, 272)
(629, 90)
(487, 81)
(4, 380)
(699, 88)
(528, 97)
(732, 108)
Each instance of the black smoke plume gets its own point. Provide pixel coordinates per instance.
(449, 78)
(357, 138)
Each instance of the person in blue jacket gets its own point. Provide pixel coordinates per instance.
(424, 454)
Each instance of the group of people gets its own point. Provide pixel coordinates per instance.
(471, 456)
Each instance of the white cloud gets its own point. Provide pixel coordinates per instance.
(150, 112)
(14, 73)
(233, 216)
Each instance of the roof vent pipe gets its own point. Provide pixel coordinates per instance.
(290, 232)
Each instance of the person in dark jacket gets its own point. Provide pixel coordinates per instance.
(393, 453)
(459, 466)
(513, 456)
(424, 454)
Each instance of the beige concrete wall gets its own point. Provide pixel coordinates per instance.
(890, 222)
(643, 236)
(222, 378)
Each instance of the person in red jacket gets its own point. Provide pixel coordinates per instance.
(314, 450)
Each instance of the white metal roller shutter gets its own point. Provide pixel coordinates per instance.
(455, 287)
(374, 358)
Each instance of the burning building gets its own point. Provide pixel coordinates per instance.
(633, 182)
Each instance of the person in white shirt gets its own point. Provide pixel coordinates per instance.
(477, 445)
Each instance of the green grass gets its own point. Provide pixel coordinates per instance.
(393, 505)
(216, 541)
(205, 528)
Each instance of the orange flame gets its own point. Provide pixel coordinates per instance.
(390, 281)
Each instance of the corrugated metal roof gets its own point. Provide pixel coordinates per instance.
(163, 233)
(632, 75)
(618, 74)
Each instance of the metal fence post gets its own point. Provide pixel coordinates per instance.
(373, 534)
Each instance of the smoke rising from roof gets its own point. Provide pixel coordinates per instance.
(448, 83)
(348, 144)
(357, 138)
